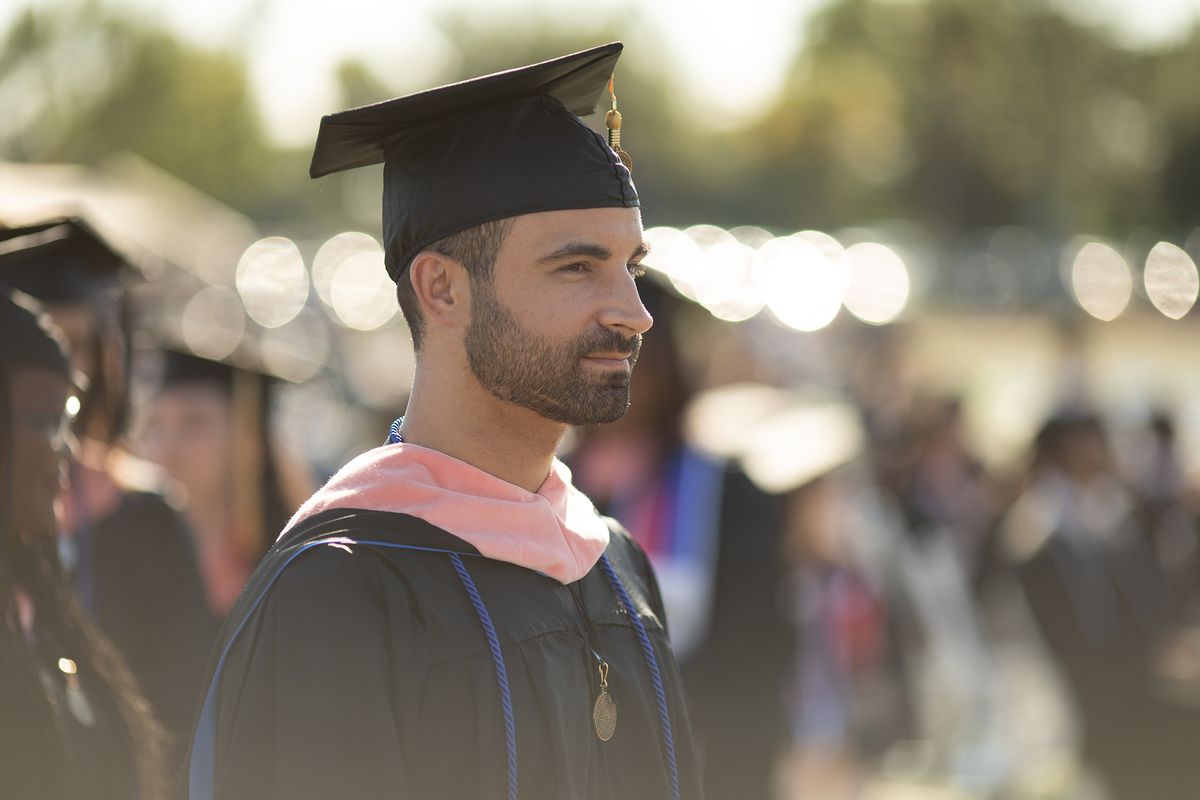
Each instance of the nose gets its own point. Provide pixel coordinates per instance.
(625, 312)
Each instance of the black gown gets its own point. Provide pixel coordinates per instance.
(140, 582)
(363, 670)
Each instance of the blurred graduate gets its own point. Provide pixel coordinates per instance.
(72, 720)
(126, 551)
(209, 426)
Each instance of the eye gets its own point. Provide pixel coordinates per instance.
(577, 267)
(637, 271)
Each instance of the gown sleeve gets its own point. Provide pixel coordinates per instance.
(309, 696)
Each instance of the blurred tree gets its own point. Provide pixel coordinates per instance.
(107, 82)
(960, 114)
(952, 114)
(1172, 92)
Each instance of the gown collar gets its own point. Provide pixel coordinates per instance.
(555, 531)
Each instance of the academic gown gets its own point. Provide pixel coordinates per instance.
(141, 584)
(361, 669)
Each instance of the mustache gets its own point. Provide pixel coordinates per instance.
(610, 342)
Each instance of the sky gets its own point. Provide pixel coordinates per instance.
(734, 62)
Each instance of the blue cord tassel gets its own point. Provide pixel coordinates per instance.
(510, 728)
(660, 694)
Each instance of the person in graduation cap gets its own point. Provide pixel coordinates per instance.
(127, 552)
(449, 616)
(208, 426)
(72, 722)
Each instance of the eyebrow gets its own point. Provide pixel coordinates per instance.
(592, 250)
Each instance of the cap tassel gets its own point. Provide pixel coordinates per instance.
(613, 121)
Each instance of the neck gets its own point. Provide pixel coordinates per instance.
(462, 420)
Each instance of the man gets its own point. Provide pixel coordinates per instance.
(449, 617)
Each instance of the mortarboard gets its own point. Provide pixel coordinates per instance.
(58, 261)
(484, 149)
(256, 500)
(179, 368)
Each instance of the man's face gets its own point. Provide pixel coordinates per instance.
(558, 328)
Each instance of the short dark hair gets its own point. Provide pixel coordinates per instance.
(475, 248)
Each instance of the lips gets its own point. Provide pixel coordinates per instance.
(609, 359)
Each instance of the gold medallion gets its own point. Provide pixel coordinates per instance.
(604, 712)
(604, 716)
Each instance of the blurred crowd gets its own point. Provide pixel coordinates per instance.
(857, 601)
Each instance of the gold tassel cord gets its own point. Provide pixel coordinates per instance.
(612, 121)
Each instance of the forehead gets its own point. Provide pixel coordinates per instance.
(618, 229)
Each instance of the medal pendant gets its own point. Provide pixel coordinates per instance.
(604, 716)
(604, 712)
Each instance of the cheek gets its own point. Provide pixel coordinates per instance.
(189, 440)
(37, 482)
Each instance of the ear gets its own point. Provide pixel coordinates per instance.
(441, 286)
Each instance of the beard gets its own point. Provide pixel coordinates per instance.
(544, 376)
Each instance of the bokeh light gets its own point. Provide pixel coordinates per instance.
(296, 351)
(725, 282)
(879, 285)
(792, 448)
(333, 253)
(803, 289)
(379, 367)
(677, 256)
(1101, 281)
(272, 281)
(213, 322)
(361, 294)
(751, 235)
(1171, 280)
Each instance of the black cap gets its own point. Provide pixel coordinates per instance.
(481, 150)
(58, 261)
(180, 368)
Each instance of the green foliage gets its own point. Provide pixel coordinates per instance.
(114, 84)
(953, 114)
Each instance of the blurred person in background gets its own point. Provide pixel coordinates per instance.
(846, 690)
(72, 721)
(946, 504)
(127, 553)
(1100, 603)
(946, 489)
(713, 539)
(1166, 509)
(209, 426)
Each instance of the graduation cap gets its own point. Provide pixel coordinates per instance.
(260, 502)
(58, 261)
(485, 149)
